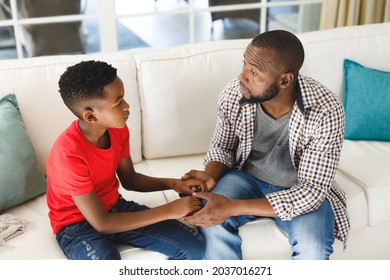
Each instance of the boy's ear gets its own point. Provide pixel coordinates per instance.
(89, 115)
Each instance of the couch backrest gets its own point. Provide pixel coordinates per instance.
(179, 87)
(326, 50)
(173, 93)
(34, 81)
(178, 91)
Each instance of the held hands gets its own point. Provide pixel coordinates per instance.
(188, 187)
(184, 206)
(208, 182)
(217, 210)
(196, 185)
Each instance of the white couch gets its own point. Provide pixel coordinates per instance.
(173, 94)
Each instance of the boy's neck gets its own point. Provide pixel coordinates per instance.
(96, 136)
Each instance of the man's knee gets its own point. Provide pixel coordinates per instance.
(309, 249)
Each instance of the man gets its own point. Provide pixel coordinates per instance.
(274, 153)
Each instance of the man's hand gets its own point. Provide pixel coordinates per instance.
(217, 210)
(188, 187)
(206, 178)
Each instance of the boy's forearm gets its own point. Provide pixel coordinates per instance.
(119, 222)
(144, 183)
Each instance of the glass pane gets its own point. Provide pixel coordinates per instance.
(296, 19)
(309, 17)
(52, 39)
(220, 25)
(252, 15)
(127, 38)
(46, 8)
(7, 44)
(238, 24)
(203, 27)
(200, 4)
(235, 24)
(91, 36)
(129, 7)
(159, 31)
(230, 2)
(90, 28)
(90, 7)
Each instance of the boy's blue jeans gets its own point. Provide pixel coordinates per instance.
(310, 235)
(172, 238)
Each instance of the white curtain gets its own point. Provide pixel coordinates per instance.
(336, 13)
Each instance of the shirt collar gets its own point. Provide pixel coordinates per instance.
(304, 94)
(243, 102)
(298, 95)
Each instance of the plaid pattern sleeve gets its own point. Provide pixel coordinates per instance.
(316, 138)
(232, 139)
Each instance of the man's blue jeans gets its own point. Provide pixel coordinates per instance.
(172, 238)
(310, 235)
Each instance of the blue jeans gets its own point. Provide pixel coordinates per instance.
(310, 235)
(172, 238)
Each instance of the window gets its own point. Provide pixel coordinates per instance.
(36, 27)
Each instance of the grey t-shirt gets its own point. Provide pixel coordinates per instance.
(270, 159)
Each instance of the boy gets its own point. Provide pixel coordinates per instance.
(86, 211)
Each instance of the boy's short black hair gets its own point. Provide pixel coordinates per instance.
(82, 85)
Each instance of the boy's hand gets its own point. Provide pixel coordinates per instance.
(185, 206)
(188, 187)
(217, 210)
(208, 181)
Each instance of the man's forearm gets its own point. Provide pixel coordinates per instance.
(216, 169)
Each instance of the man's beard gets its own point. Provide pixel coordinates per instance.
(268, 94)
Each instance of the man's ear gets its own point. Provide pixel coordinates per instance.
(286, 80)
(89, 115)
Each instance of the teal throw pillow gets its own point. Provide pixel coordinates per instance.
(21, 178)
(367, 102)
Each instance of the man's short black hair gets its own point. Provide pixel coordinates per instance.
(288, 47)
(83, 84)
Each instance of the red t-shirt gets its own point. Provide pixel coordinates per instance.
(77, 167)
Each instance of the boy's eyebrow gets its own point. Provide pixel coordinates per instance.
(118, 98)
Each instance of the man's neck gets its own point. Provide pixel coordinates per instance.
(277, 108)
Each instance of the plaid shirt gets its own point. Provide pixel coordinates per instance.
(316, 133)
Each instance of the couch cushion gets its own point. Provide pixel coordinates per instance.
(273, 243)
(38, 242)
(367, 102)
(326, 50)
(366, 163)
(263, 239)
(21, 179)
(357, 207)
(178, 91)
(173, 167)
(44, 114)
